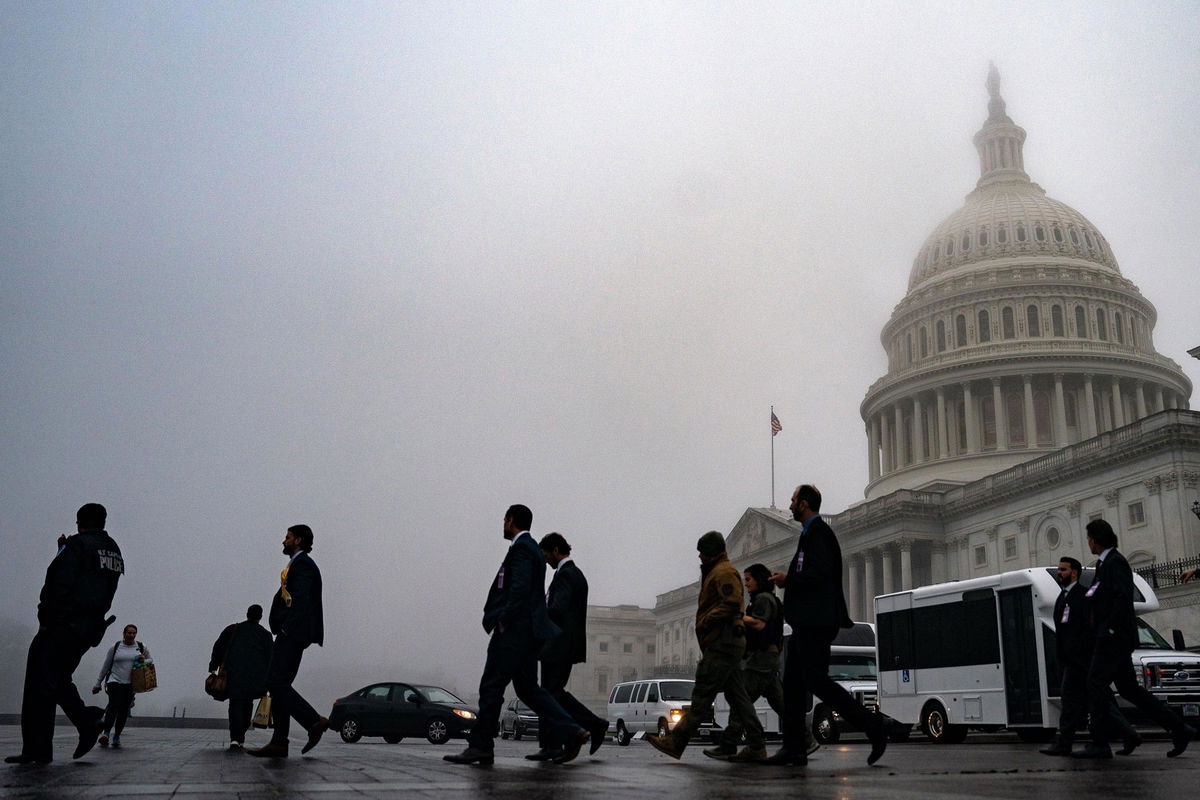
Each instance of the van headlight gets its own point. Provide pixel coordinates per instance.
(676, 715)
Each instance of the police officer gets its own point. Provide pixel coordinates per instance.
(722, 637)
(80, 584)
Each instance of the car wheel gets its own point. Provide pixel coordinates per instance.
(517, 732)
(505, 734)
(622, 735)
(937, 727)
(437, 732)
(393, 739)
(350, 731)
(663, 727)
(824, 727)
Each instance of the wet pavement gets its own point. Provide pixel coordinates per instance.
(189, 763)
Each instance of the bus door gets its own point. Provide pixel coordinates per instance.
(1022, 675)
(894, 645)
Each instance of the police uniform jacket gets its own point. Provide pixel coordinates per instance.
(813, 595)
(719, 608)
(566, 603)
(516, 598)
(80, 584)
(1072, 637)
(303, 621)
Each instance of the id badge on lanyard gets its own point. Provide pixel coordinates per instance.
(799, 562)
(500, 578)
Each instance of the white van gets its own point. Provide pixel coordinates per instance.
(654, 705)
(981, 653)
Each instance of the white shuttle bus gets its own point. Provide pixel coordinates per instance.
(981, 654)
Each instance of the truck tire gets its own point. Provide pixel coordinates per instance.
(938, 729)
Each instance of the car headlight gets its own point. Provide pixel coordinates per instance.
(464, 714)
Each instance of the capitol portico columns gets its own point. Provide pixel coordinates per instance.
(937, 562)
(919, 430)
(1089, 397)
(971, 418)
(853, 588)
(1118, 407)
(885, 435)
(906, 546)
(1031, 437)
(888, 584)
(1060, 412)
(1001, 417)
(900, 435)
(868, 584)
(873, 450)
(943, 450)
(1141, 400)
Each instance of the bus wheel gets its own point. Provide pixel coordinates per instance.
(937, 727)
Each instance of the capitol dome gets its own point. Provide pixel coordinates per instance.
(1018, 335)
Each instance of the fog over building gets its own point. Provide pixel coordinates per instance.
(1023, 398)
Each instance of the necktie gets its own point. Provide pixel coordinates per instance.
(283, 592)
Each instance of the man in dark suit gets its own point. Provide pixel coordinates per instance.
(566, 603)
(297, 620)
(815, 607)
(1073, 646)
(515, 615)
(1115, 637)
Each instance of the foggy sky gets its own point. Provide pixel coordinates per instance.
(385, 269)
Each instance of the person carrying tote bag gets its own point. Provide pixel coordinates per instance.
(240, 657)
(123, 664)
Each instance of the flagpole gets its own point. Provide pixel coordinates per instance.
(772, 460)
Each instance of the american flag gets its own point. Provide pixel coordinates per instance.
(776, 427)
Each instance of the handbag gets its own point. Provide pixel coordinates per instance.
(262, 714)
(144, 678)
(216, 685)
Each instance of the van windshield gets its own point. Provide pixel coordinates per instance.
(1150, 639)
(851, 668)
(676, 690)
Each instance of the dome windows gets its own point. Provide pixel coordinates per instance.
(1087, 235)
(941, 336)
(924, 343)
(983, 238)
(949, 247)
(1033, 322)
(1057, 325)
(1001, 235)
(1008, 323)
(1058, 236)
(1074, 236)
(1081, 326)
(1101, 325)
(985, 326)
(1021, 233)
(965, 245)
(1118, 328)
(1039, 233)
(960, 331)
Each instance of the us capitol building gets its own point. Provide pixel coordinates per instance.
(1023, 398)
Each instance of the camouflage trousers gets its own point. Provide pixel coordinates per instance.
(760, 684)
(720, 672)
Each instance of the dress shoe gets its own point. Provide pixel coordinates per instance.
(314, 734)
(665, 744)
(1056, 750)
(785, 758)
(1129, 744)
(269, 750)
(813, 746)
(722, 752)
(879, 743)
(89, 733)
(1181, 738)
(24, 759)
(545, 754)
(1093, 751)
(472, 755)
(748, 755)
(598, 733)
(572, 747)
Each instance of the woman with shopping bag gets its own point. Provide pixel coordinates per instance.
(117, 676)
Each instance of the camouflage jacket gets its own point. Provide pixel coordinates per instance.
(719, 614)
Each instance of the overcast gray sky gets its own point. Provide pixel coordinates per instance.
(387, 268)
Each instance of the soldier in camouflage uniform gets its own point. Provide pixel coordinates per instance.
(722, 638)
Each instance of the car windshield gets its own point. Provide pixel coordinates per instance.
(675, 690)
(843, 668)
(1150, 639)
(436, 694)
